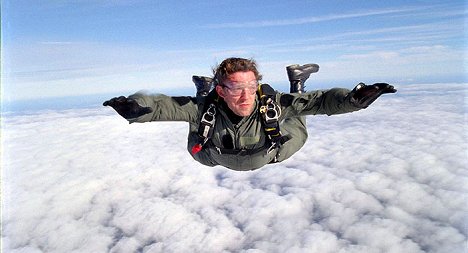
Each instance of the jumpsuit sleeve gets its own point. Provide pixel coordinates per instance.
(329, 102)
(166, 108)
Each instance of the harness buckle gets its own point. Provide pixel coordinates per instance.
(207, 122)
(208, 117)
(271, 111)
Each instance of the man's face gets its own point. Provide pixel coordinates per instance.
(238, 91)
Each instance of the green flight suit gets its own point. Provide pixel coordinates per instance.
(248, 133)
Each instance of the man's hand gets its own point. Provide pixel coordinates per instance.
(363, 95)
(127, 107)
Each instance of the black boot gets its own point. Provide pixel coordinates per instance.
(203, 85)
(298, 74)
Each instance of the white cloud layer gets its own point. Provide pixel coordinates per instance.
(391, 178)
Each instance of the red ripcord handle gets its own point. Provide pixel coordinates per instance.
(196, 148)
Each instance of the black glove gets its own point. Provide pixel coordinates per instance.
(363, 95)
(127, 107)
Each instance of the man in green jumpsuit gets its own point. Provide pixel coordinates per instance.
(236, 133)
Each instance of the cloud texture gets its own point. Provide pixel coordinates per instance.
(391, 178)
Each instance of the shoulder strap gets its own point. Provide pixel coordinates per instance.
(271, 111)
(207, 107)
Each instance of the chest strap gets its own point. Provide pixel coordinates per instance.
(239, 152)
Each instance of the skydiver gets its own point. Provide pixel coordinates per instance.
(239, 123)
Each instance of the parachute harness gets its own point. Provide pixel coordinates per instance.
(269, 109)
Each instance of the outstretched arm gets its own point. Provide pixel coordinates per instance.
(333, 101)
(140, 107)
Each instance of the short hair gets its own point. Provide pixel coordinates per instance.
(233, 65)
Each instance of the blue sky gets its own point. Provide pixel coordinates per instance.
(56, 48)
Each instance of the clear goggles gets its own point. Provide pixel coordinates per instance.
(236, 88)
